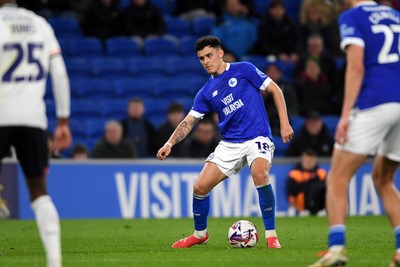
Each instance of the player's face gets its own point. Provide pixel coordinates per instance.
(211, 60)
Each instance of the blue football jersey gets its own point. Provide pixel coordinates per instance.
(235, 96)
(376, 28)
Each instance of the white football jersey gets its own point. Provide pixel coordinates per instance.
(27, 43)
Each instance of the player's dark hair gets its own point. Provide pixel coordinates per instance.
(135, 100)
(80, 148)
(205, 41)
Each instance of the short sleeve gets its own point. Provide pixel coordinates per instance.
(256, 77)
(350, 33)
(200, 106)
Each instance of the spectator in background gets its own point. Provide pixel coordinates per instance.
(236, 31)
(327, 63)
(175, 115)
(142, 19)
(275, 73)
(203, 141)
(316, 17)
(314, 134)
(305, 185)
(278, 35)
(190, 10)
(80, 152)
(246, 7)
(101, 20)
(313, 89)
(137, 130)
(113, 146)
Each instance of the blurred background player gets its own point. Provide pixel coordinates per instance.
(28, 51)
(370, 119)
(246, 135)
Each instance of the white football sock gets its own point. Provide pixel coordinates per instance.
(200, 234)
(48, 224)
(270, 233)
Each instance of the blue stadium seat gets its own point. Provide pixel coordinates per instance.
(177, 27)
(65, 27)
(280, 146)
(113, 109)
(186, 102)
(259, 61)
(297, 123)
(203, 26)
(135, 87)
(293, 9)
(94, 128)
(78, 68)
(185, 66)
(331, 122)
(64, 45)
(171, 88)
(51, 124)
(146, 67)
(196, 83)
(109, 68)
(78, 129)
(160, 46)
(261, 6)
(156, 107)
(122, 47)
(50, 109)
(85, 109)
(186, 46)
(96, 89)
(85, 47)
(165, 6)
(49, 89)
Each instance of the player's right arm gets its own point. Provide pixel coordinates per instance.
(180, 133)
(353, 79)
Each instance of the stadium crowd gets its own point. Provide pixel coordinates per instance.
(134, 72)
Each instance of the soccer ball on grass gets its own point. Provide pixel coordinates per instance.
(243, 234)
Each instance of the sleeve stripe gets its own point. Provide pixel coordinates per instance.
(55, 52)
(196, 114)
(265, 83)
(351, 41)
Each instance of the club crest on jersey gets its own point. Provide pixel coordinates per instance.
(232, 82)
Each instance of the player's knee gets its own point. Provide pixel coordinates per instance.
(381, 179)
(260, 177)
(200, 190)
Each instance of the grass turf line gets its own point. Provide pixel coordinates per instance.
(148, 242)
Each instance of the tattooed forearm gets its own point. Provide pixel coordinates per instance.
(183, 130)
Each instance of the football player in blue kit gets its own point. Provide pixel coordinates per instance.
(233, 92)
(370, 119)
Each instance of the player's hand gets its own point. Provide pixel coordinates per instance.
(286, 133)
(341, 130)
(62, 137)
(164, 152)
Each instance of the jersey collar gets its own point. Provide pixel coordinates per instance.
(228, 65)
(366, 3)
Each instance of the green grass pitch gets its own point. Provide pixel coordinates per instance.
(147, 242)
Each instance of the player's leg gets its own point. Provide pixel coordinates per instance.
(383, 174)
(32, 152)
(343, 167)
(209, 177)
(260, 168)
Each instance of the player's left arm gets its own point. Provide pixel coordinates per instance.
(279, 99)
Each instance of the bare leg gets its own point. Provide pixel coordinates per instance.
(383, 173)
(344, 165)
(209, 177)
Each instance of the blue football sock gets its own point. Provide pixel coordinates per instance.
(266, 198)
(397, 236)
(201, 206)
(337, 235)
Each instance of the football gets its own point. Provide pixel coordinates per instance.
(243, 234)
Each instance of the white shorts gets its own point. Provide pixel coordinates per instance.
(232, 157)
(375, 131)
